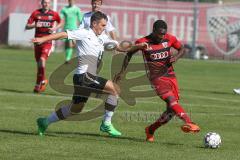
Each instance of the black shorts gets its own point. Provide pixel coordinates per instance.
(90, 83)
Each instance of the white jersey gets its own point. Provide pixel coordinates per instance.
(86, 21)
(89, 48)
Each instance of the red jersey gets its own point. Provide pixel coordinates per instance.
(45, 19)
(157, 58)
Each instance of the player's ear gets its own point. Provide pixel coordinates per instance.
(94, 23)
(154, 30)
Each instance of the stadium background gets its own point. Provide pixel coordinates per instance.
(217, 24)
(206, 89)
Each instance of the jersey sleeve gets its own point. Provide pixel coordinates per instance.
(62, 14)
(109, 26)
(58, 19)
(76, 34)
(31, 19)
(138, 41)
(176, 43)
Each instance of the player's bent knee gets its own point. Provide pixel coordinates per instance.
(170, 100)
(42, 59)
(112, 88)
(117, 89)
(41, 62)
(170, 113)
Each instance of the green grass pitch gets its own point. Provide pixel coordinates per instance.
(206, 94)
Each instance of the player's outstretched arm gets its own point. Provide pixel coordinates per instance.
(137, 47)
(126, 60)
(30, 26)
(178, 55)
(33, 25)
(54, 36)
(130, 51)
(132, 48)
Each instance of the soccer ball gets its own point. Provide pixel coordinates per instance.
(212, 140)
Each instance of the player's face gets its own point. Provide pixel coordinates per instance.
(99, 26)
(158, 35)
(96, 5)
(71, 2)
(46, 4)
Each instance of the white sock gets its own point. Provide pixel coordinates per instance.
(52, 118)
(108, 116)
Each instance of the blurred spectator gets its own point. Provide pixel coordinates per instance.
(200, 52)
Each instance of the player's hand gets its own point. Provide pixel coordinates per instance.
(125, 46)
(173, 59)
(118, 77)
(37, 41)
(53, 29)
(137, 47)
(143, 45)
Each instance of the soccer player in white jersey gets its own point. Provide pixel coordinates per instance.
(96, 6)
(90, 45)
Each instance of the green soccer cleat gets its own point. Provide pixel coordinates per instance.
(42, 125)
(109, 128)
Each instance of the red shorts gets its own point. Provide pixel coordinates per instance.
(166, 86)
(42, 51)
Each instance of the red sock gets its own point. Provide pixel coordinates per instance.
(40, 74)
(164, 118)
(181, 113)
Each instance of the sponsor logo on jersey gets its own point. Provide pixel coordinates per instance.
(223, 26)
(43, 24)
(160, 55)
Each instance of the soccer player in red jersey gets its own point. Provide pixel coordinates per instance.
(158, 63)
(45, 21)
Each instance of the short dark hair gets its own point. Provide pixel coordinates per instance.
(160, 26)
(97, 16)
(97, 0)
